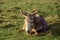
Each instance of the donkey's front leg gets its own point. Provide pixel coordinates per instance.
(24, 25)
(23, 29)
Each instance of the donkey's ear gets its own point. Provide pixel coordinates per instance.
(23, 12)
(35, 12)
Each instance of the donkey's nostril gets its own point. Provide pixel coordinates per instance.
(28, 31)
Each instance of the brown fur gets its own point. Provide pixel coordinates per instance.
(35, 22)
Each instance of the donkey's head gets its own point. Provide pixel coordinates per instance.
(29, 20)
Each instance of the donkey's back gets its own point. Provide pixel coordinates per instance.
(40, 24)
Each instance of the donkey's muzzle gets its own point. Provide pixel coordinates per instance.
(28, 31)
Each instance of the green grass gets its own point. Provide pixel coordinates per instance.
(11, 19)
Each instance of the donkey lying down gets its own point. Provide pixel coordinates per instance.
(33, 22)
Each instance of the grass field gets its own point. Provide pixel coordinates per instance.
(11, 19)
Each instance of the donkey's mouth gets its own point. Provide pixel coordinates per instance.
(32, 32)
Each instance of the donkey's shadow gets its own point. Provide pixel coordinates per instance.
(55, 29)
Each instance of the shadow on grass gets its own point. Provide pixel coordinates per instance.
(1, 21)
(14, 9)
(1, 11)
(55, 29)
(8, 26)
(14, 17)
(1, 2)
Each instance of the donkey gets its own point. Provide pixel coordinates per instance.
(33, 22)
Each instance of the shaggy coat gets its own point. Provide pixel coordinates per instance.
(34, 23)
(40, 24)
